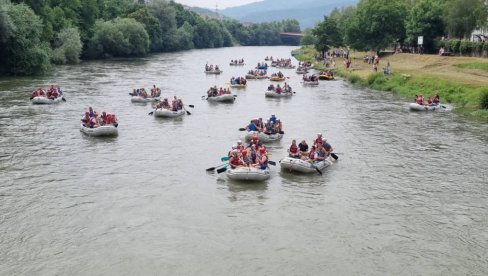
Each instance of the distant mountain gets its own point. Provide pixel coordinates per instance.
(307, 12)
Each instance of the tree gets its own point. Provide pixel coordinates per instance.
(425, 19)
(377, 24)
(463, 16)
(327, 35)
(166, 14)
(68, 47)
(22, 52)
(308, 37)
(119, 37)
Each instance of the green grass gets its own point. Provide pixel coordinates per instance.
(474, 65)
(471, 102)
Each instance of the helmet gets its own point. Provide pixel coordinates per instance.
(239, 142)
(262, 150)
(254, 137)
(87, 113)
(234, 147)
(244, 152)
(319, 134)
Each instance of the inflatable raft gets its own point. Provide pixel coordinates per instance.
(273, 94)
(248, 174)
(298, 165)
(139, 99)
(238, 86)
(237, 64)
(310, 83)
(101, 131)
(421, 107)
(262, 67)
(326, 77)
(229, 98)
(45, 100)
(213, 72)
(263, 137)
(166, 113)
(277, 79)
(253, 77)
(301, 71)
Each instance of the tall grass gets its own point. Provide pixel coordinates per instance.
(474, 65)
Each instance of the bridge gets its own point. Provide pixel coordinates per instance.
(291, 34)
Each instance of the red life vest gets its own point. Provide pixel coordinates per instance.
(35, 94)
(293, 149)
(311, 155)
(420, 100)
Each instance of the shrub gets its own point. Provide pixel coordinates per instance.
(454, 46)
(120, 37)
(466, 47)
(68, 47)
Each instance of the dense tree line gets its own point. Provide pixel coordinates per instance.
(37, 33)
(378, 24)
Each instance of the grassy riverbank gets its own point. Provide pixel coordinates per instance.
(462, 81)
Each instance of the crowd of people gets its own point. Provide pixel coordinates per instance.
(214, 91)
(260, 65)
(211, 67)
(254, 155)
(311, 78)
(272, 126)
(93, 120)
(328, 73)
(278, 89)
(319, 151)
(51, 93)
(141, 92)
(237, 61)
(269, 58)
(435, 100)
(238, 81)
(176, 104)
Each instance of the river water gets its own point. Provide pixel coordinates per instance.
(408, 195)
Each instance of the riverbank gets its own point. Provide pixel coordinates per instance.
(462, 81)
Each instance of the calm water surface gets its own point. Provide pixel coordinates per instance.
(407, 197)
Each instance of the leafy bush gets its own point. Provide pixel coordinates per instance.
(119, 38)
(454, 46)
(466, 47)
(68, 48)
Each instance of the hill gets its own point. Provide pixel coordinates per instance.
(307, 12)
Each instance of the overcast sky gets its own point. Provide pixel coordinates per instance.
(210, 4)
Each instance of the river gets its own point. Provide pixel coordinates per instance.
(408, 195)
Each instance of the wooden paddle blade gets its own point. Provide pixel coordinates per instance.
(334, 156)
(221, 170)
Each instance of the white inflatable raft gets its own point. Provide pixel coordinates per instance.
(213, 72)
(100, 131)
(253, 77)
(273, 94)
(139, 99)
(168, 113)
(420, 107)
(229, 98)
(264, 137)
(300, 72)
(248, 174)
(310, 83)
(45, 100)
(298, 165)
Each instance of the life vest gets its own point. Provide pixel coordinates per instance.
(318, 141)
(35, 94)
(436, 100)
(293, 149)
(234, 162)
(311, 155)
(420, 100)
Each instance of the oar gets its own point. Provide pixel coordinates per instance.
(187, 112)
(192, 106)
(225, 158)
(63, 99)
(317, 169)
(242, 129)
(213, 168)
(272, 162)
(334, 156)
(221, 170)
(151, 113)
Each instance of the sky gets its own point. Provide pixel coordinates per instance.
(210, 4)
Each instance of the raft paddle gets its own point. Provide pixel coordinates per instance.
(242, 129)
(317, 169)
(221, 170)
(213, 168)
(334, 156)
(63, 99)
(225, 158)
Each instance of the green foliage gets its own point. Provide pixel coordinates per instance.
(425, 19)
(308, 37)
(327, 34)
(466, 47)
(377, 24)
(21, 50)
(454, 46)
(463, 16)
(119, 38)
(484, 99)
(68, 47)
